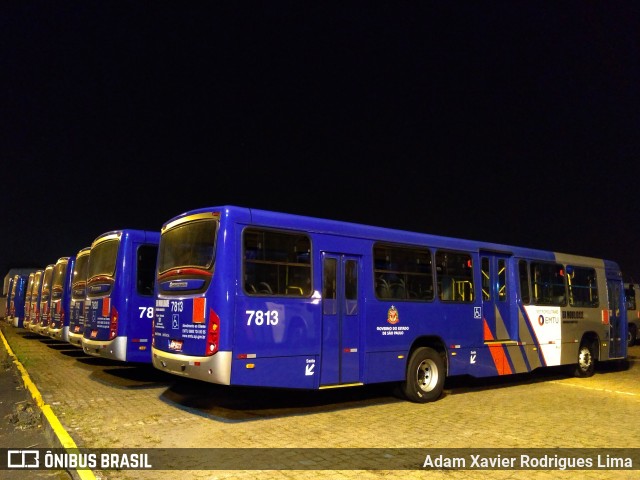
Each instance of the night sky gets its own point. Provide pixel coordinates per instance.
(511, 122)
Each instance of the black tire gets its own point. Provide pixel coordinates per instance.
(586, 365)
(425, 376)
(631, 335)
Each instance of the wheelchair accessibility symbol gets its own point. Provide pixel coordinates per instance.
(175, 322)
(477, 312)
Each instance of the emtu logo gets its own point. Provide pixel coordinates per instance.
(23, 459)
(540, 320)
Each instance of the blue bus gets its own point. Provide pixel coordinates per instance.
(120, 295)
(42, 327)
(7, 311)
(78, 296)
(61, 299)
(17, 303)
(34, 299)
(257, 298)
(27, 300)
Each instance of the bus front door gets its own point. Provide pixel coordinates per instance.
(617, 327)
(340, 356)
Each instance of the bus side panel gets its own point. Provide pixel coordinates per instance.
(277, 326)
(138, 327)
(288, 372)
(282, 338)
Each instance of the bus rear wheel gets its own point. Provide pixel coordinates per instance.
(586, 365)
(425, 376)
(631, 335)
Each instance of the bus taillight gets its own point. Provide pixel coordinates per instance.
(213, 333)
(113, 324)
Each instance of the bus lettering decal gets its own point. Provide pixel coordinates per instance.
(259, 317)
(177, 306)
(146, 312)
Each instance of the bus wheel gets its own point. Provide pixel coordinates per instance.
(425, 376)
(586, 361)
(631, 335)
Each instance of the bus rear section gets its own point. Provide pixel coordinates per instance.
(16, 306)
(7, 311)
(42, 327)
(186, 324)
(78, 297)
(120, 299)
(217, 323)
(27, 300)
(34, 307)
(60, 298)
(632, 295)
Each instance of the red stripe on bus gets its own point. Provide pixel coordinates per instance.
(497, 353)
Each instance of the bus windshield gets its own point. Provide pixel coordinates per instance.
(79, 279)
(189, 244)
(46, 283)
(57, 279)
(103, 258)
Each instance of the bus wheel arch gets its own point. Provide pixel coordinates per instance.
(425, 373)
(587, 356)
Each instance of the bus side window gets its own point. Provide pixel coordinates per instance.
(146, 269)
(455, 276)
(402, 272)
(548, 282)
(276, 263)
(524, 282)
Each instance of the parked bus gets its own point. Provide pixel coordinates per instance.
(120, 295)
(257, 298)
(632, 294)
(78, 296)
(27, 299)
(16, 306)
(7, 310)
(34, 301)
(42, 327)
(61, 299)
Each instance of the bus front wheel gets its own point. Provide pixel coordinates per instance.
(425, 376)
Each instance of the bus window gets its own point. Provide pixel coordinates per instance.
(329, 287)
(455, 276)
(103, 259)
(486, 282)
(583, 287)
(402, 273)
(525, 295)
(547, 280)
(146, 269)
(502, 280)
(276, 263)
(630, 295)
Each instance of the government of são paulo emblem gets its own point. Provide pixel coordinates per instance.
(392, 315)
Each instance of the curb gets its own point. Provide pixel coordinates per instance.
(52, 423)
